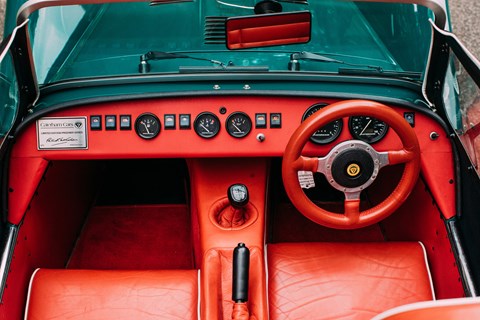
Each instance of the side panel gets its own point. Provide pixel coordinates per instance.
(48, 232)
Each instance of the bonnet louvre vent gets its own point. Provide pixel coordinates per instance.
(214, 30)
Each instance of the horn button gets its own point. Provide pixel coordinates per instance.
(352, 166)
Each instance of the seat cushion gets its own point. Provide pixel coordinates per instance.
(91, 294)
(345, 280)
(448, 309)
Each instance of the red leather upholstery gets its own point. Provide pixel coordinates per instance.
(344, 281)
(216, 286)
(449, 309)
(90, 294)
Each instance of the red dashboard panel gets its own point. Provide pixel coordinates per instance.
(186, 143)
(437, 163)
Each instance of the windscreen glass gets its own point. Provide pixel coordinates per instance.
(112, 39)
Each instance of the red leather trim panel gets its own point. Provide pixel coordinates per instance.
(419, 219)
(24, 176)
(450, 309)
(210, 179)
(216, 274)
(340, 280)
(51, 225)
(91, 294)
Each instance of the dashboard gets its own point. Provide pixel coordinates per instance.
(192, 127)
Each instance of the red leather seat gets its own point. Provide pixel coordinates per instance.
(344, 280)
(449, 309)
(91, 294)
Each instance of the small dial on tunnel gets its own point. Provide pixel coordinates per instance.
(147, 126)
(367, 129)
(327, 133)
(206, 125)
(238, 124)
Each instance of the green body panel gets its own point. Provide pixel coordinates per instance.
(386, 90)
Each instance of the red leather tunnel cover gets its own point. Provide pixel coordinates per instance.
(91, 294)
(344, 280)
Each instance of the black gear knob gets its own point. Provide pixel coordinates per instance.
(238, 195)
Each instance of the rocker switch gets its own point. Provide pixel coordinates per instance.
(410, 117)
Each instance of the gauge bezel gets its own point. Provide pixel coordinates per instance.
(323, 140)
(236, 114)
(137, 122)
(372, 140)
(199, 117)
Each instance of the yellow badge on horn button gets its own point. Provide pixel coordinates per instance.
(353, 170)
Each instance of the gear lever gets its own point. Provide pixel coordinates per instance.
(238, 195)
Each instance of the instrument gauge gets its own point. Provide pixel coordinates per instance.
(327, 133)
(367, 129)
(238, 124)
(147, 126)
(207, 125)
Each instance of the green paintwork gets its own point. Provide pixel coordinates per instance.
(381, 89)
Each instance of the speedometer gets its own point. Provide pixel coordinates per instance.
(367, 129)
(327, 133)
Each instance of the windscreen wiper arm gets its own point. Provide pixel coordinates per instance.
(408, 75)
(144, 66)
(294, 65)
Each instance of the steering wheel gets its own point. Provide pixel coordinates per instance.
(351, 166)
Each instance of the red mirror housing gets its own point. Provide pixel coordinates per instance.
(268, 30)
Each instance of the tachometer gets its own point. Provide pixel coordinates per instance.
(238, 124)
(207, 125)
(367, 129)
(147, 126)
(327, 133)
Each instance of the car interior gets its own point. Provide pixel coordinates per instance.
(264, 196)
(130, 204)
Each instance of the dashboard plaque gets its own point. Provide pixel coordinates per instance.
(62, 133)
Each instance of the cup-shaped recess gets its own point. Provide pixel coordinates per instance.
(226, 217)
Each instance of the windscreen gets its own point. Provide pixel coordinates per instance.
(111, 39)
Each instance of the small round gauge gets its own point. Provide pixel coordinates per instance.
(327, 133)
(367, 129)
(207, 125)
(238, 124)
(147, 126)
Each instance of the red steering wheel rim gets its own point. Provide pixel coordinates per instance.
(353, 218)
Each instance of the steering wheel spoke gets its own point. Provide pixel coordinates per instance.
(306, 164)
(400, 156)
(352, 210)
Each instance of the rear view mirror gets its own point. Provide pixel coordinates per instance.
(268, 30)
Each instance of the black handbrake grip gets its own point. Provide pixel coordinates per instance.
(241, 266)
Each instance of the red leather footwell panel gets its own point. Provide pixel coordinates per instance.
(344, 281)
(89, 294)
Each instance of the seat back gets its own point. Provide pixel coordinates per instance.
(105, 294)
